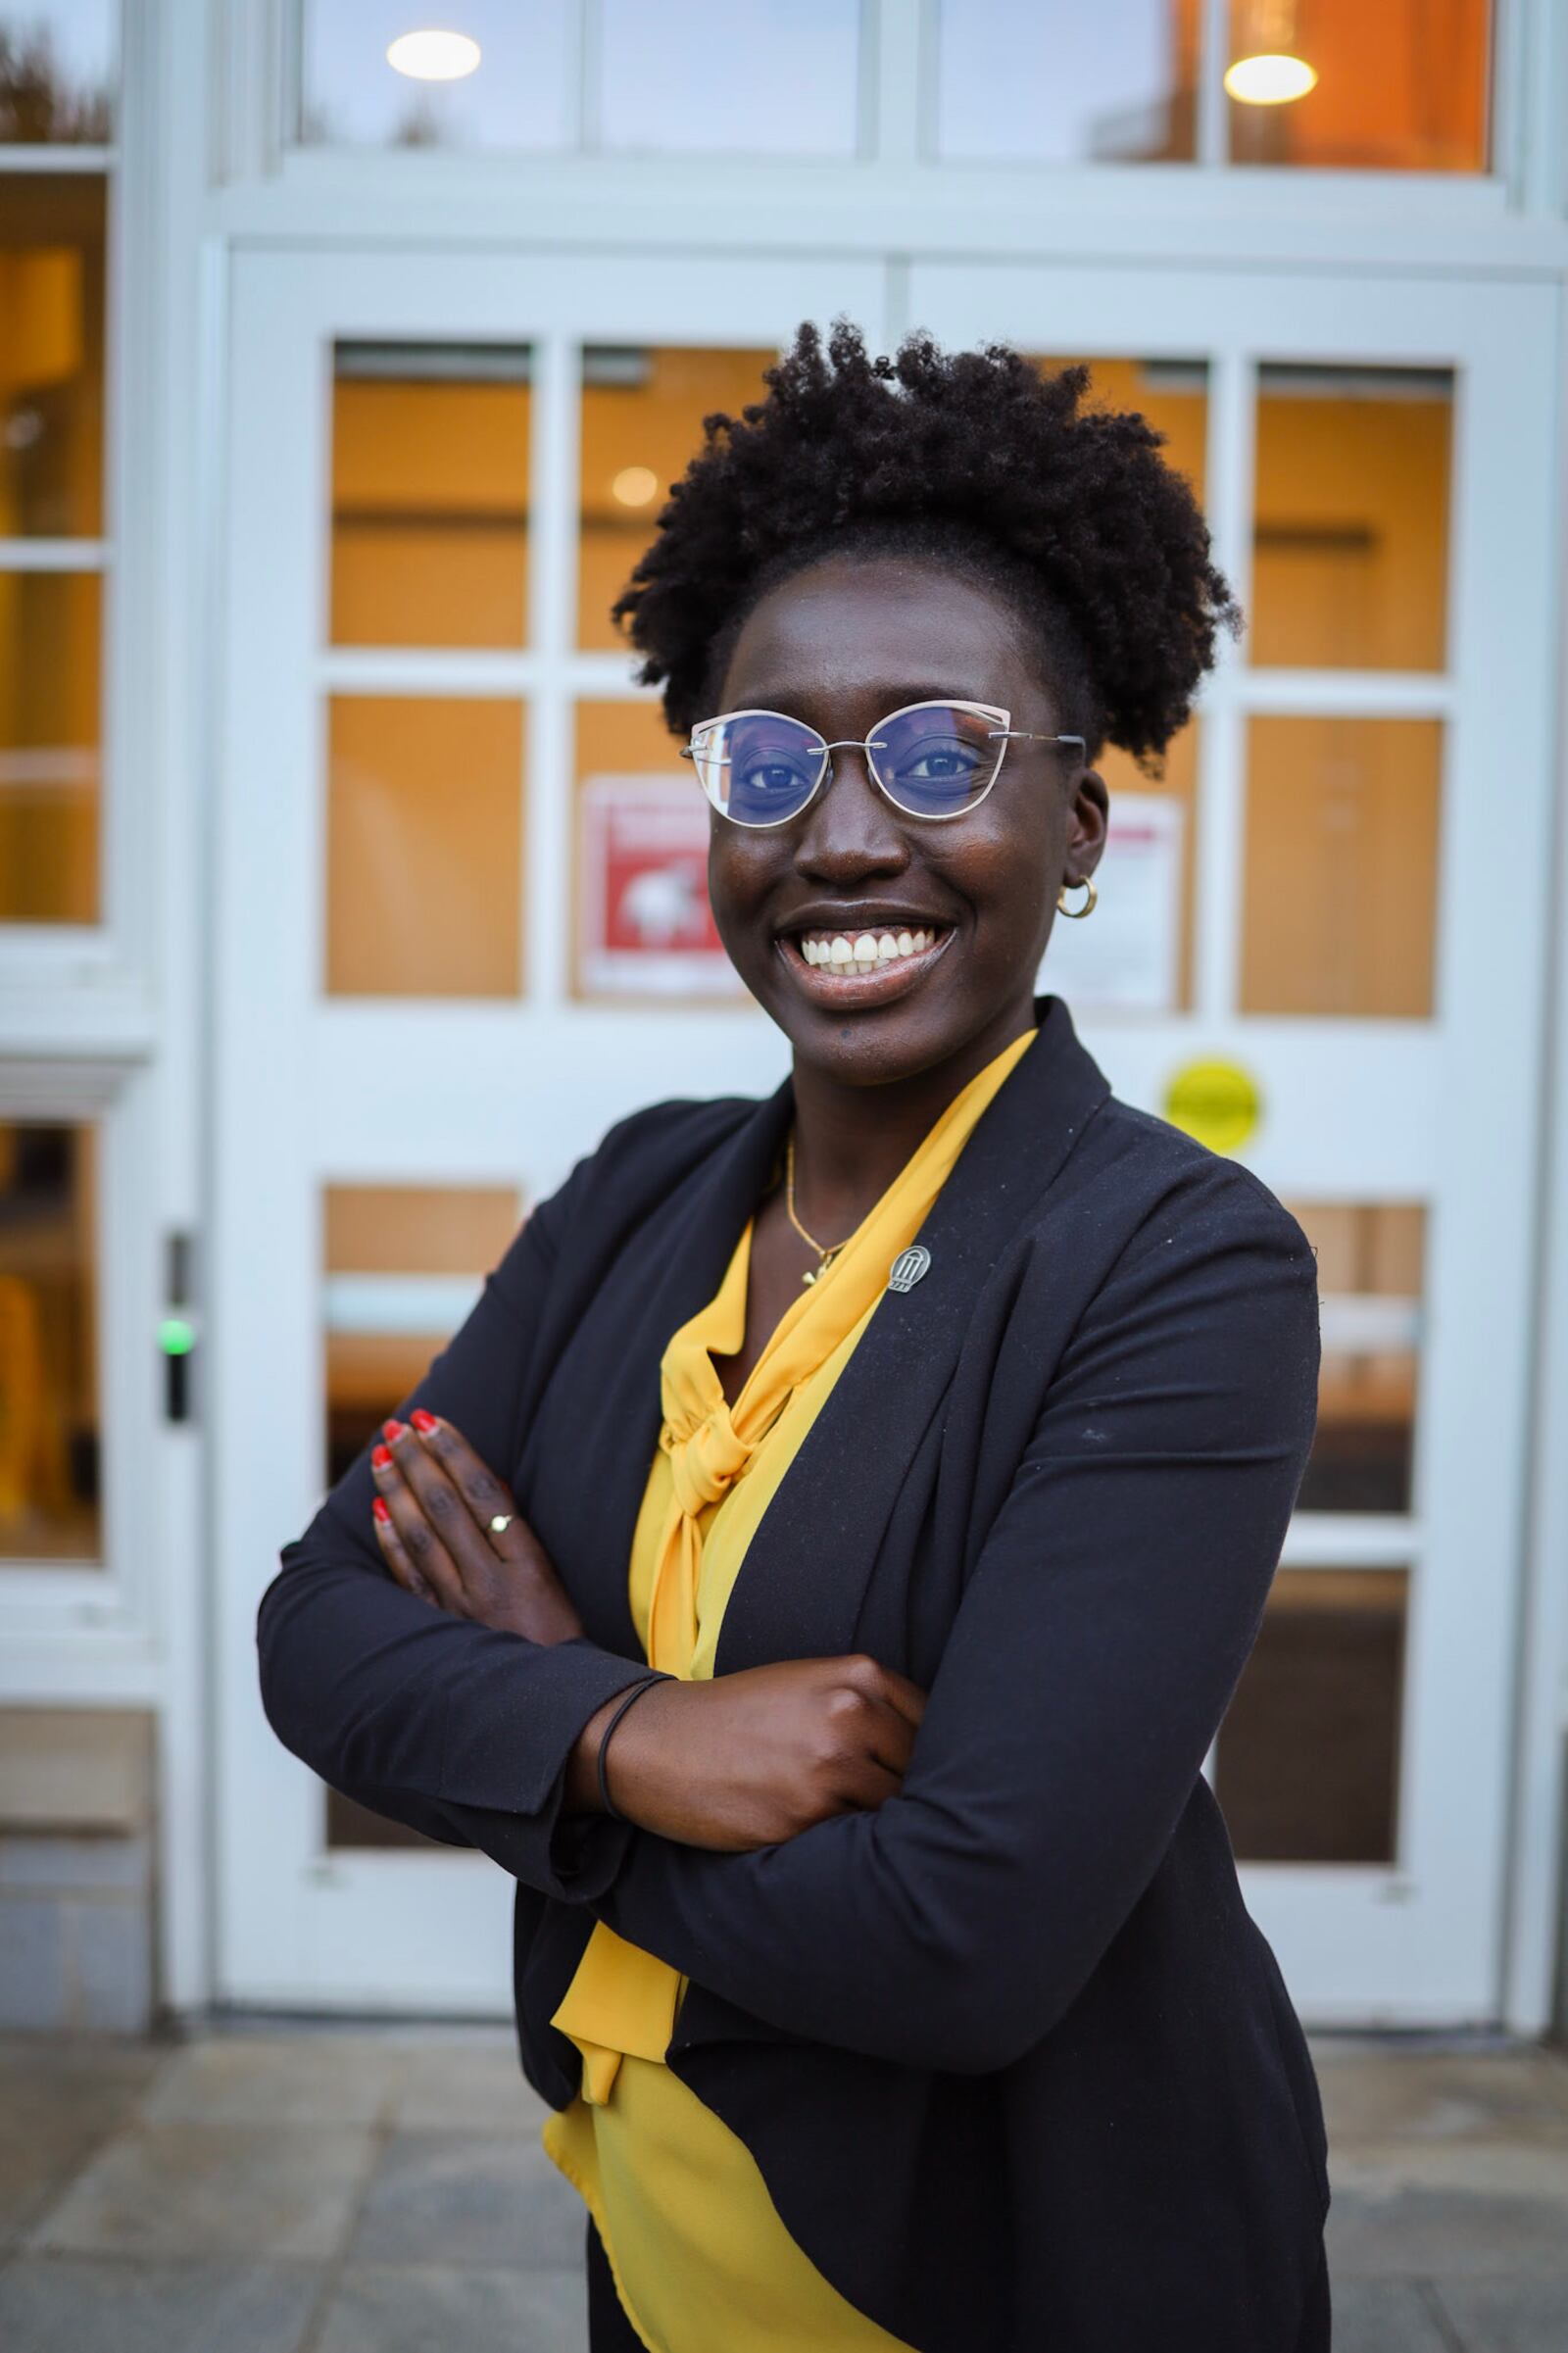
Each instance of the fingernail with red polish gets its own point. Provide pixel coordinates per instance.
(378, 1507)
(381, 1457)
(393, 1428)
(422, 1420)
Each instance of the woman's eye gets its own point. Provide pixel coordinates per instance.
(772, 777)
(939, 763)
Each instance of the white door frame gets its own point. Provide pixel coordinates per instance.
(1414, 1945)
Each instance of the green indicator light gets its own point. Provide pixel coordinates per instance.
(176, 1337)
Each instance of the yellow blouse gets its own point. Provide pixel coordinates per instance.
(702, 2261)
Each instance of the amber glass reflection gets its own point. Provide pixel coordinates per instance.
(49, 1406)
(57, 74)
(1401, 86)
(404, 1264)
(642, 420)
(430, 495)
(1370, 1273)
(49, 738)
(424, 847)
(1341, 866)
(1172, 393)
(1350, 552)
(1307, 1763)
(642, 926)
(51, 354)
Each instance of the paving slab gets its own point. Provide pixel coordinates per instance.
(181, 2189)
(1454, 2208)
(432, 2308)
(98, 2304)
(1444, 2095)
(454, 2197)
(1386, 2316)
(344, 2078)
(1507, 2315)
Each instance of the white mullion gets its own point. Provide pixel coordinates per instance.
(553, 505)
(1222, 726)
(1346, 694)
(891, 112)
(1352, 1539)
(426, 671)
(1212, 142)
(55, 554)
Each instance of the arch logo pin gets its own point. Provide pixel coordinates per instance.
(909, 1267)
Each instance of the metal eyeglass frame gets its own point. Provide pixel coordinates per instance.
(869, 744)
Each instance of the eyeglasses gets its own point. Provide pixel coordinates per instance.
(930, 760)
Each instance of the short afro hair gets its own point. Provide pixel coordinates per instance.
(979, 458)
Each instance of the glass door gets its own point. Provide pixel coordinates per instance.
(1324, 953)
(463, 920)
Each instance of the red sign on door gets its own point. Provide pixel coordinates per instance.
(645, 927)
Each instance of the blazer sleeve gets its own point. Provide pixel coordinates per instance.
(1102, 1632)
(453, 1728)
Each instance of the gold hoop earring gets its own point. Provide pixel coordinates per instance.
(1077, 913)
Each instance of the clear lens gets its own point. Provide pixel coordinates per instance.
(759, 767)
(935, 760)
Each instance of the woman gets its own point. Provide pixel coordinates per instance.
(898, 1463)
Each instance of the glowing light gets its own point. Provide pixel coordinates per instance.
(433, 56)
(1270, 80)
(635, 486)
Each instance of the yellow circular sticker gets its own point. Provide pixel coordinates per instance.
(1218, 1103)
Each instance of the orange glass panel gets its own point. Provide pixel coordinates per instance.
(1350, 550)
(1341, 866)
(404, 1264)
(642, 422)
(430, 495)
(49, 747)
(1371, 1260)
(424, 824)
(1401, 86)
(50, 1424)
(1307, 1762)
(52, 230)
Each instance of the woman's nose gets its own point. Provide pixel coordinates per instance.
(851, 826)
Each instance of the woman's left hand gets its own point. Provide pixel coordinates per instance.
(438, 1501)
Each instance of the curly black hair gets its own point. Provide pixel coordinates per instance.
(979, 458)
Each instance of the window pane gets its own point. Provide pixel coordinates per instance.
(49, 1430)
(701, 76)
(49, 737)
(57, 74)
(430, 495)
(1370, 1271)
(404, 1264)
(1350, 549)
(642, 924)
(1136, 955)
(642, 420)
(1307, 1763)
(1341, 865)
(1049, 82)
(514, 93)
(1401, 86)
(424, 847)
(51, 354)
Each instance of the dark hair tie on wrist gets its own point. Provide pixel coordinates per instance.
(637, 1689)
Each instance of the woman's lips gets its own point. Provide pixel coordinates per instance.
(841, 989)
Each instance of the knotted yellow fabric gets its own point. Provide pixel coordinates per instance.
(623, 1999)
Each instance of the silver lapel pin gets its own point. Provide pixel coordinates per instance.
(909, 1267)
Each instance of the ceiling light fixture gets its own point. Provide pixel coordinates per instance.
(1270, 71)
(635, 486)
(433, 55)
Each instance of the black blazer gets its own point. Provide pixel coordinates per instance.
(1016, 2064)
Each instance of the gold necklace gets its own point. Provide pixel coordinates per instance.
(824, 1256)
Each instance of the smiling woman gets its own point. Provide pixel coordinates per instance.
(897, 1464)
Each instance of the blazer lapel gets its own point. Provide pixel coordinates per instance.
(808, 1564)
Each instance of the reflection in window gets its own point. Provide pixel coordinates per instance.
(1370, 1261)
(1341, 866)
(702, 77)
(429, 494)
(404, 1266)
(58, 66)
(50, 1424)
(49, 747)
(1043, 81)
(1401, 86)
(424, 847)
(1352, 535)
(1307, 1762)
(514, 93)
(642, 413)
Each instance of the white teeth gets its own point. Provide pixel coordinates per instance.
(867, 952)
